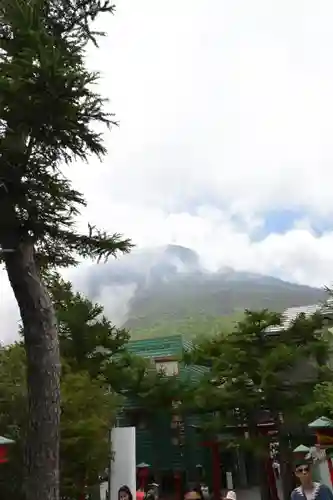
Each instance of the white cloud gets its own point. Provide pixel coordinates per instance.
(297, 255)
(223, 100)
(9, 318)
(225, 109)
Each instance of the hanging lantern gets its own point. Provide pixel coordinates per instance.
(323, 427)
(300, 452)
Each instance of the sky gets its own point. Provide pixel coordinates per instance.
(225, 143)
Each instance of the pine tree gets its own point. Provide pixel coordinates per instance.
(48, 112)
(98, 373)
(90, 341)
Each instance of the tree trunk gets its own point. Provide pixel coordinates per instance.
(263, 479)
(286, 467)
(261, 458)
(43, 374)
(285, 457)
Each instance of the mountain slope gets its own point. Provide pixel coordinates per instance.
(174, 294)
(196, 302)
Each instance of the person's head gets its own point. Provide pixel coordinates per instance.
(124, 493)
(303, 472)
(193, 492)
(231, 495)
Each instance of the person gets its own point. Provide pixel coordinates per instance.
(124, 493)
(231, 495)
(140, 494)
(152, 492)
(193, 492)
(205, 491)
(276, 468)
(309, 489)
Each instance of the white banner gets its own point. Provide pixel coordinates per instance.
(123, 467)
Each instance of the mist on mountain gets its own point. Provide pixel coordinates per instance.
(167, 289)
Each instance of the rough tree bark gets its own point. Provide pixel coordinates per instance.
(43, 374)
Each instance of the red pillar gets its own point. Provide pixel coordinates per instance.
(329, 460)
(330, 468)
(178, 485)
(216, 471)
(143, 474)
(3, 454)
(271, 479)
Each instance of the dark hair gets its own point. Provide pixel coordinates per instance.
(193, 487)
(125, 489)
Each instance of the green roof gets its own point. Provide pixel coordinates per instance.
(321, 423)
(159, 347)
(164, 347)
(301, 449)
(4, 440)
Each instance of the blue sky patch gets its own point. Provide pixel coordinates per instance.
(281, 221)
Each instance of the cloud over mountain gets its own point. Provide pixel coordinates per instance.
(225, 139)
(168, 288)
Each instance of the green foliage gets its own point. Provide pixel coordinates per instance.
(49, 117)
(13, 412)
(88, 411)
(256, 374)
(12, 387)
(192, 327)
(88, 407)
(98, 372)
(88, 340)
(323, 402)
(48, 113)
(137, 379)
(205, 304)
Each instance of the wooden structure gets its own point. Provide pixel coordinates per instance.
(175, 446)
(168, 442)
(322, 453)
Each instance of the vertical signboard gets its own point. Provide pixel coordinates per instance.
(123, 466)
